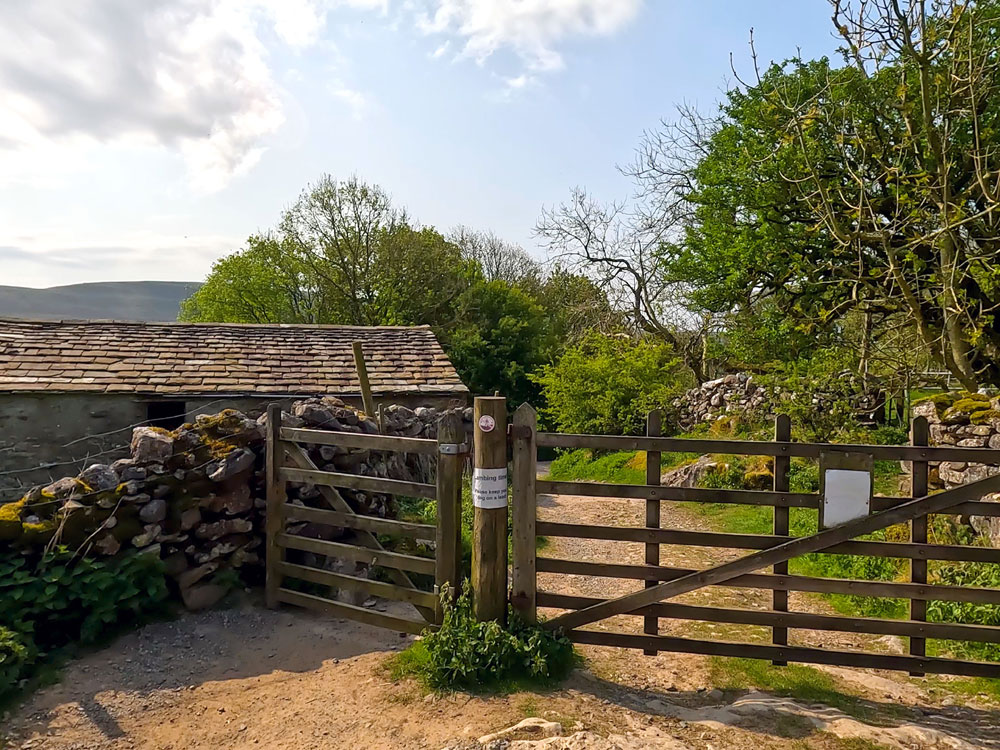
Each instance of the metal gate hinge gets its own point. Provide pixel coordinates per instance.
(453, 449)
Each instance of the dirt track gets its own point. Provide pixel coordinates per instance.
(247, 677)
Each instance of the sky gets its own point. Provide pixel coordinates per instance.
(144, 139)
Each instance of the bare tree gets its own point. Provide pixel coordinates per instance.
(627, 247)
(499, 259)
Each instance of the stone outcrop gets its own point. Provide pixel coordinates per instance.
(196, 495)
(728, 395)
(968, 420)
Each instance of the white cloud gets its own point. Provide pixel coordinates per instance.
(531, 28)
(189, 75)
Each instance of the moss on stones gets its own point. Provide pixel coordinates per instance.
(985, 416)
(10, 520)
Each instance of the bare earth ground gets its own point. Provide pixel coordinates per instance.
(247, 677)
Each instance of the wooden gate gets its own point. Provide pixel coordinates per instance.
(287, 461)
(663, 582)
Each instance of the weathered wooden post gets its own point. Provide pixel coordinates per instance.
(919, 482)
(275, 457)
(524, 512)
(779, 598)
(451, 453)
(489, 499)
(651, 623)
(366, 389)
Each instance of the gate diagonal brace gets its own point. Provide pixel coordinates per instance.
(804, 545)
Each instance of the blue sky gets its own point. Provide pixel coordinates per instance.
(143, 140)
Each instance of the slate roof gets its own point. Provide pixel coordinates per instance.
(184, 359)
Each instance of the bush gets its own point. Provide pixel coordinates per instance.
(607, 385)
(17, 653)
(469, 654)
(60, 598)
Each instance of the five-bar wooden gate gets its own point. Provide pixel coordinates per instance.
(765, 568)
(288, 461)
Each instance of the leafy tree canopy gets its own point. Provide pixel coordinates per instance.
(869, 186)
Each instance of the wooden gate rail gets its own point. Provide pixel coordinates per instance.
(810, 584)
(772, 551)
(872, 625)
(762, 448)
(803, 654)
(901, 550)
(732, 497)
(287, 461)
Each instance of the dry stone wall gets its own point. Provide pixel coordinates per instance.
(970, 421)
(732, 394)
(195, 495)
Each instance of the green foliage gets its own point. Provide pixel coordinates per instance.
(61, 599)
(608, 384)
(344, 254)
(791, 158)
(467, 654)
(623, 467)
(17, 654)
(499, 340)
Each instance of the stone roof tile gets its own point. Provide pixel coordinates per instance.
(215, 358)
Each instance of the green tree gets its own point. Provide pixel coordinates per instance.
(867, 188)
(498, 341)
(606, 384)
(265, 282)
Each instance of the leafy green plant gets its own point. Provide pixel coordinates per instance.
(17, 653)
(60, 598)
(465, 653)
(607, 384)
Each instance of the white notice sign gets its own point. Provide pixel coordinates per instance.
(489, 488)
(847, 496)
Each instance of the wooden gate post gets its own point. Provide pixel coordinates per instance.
(918, 533)
(779, 598)
(651, 623)
(451, 455)
(524, 512)
(275, 457)
(489, 497)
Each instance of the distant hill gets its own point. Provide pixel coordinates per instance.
(121, 300)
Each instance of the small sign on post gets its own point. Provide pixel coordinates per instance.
(845, 482)
(489, 488)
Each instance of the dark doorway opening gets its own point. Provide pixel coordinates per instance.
(166, 414)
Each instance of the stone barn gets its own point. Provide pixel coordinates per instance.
(70, 391)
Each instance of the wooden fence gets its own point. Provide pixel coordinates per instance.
(773, 550)
(287, 461)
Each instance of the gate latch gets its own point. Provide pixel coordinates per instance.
(453, 449)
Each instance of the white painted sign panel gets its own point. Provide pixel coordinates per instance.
(489, 488)
(847, 496)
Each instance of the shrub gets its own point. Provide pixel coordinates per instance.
(608, 384)
(465, 653)
(60, 598)
(17, 653)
